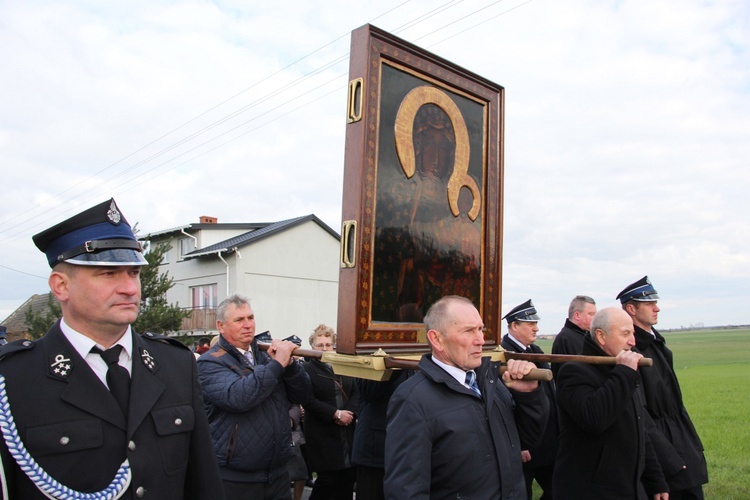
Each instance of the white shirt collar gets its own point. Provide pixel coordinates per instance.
(453, 371)
(517, 342)
(83, 344)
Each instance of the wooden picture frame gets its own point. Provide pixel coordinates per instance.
(422, 203)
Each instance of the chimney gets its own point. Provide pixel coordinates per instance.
(207, 219)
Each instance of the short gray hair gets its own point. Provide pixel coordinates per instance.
(236, 299)
(437, 314)
(578, 303)
(601, 321)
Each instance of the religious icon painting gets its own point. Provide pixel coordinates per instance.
(422, 204)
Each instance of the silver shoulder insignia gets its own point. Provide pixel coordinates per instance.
(60, 367)
(148, 360)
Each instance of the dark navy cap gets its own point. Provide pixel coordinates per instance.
(294, 339)
(523, 312)
(641, 291)
(264, 337)
(99, 236)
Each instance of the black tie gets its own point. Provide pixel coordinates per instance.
(118, 378)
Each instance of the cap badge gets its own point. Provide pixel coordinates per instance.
(113, 214)
(61, 366)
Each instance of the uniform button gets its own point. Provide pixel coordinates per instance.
(64, 440)
(26, 343)
(131, 445)
(178, 421)
(140, 492)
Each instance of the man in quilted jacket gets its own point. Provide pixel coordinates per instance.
(247, 393)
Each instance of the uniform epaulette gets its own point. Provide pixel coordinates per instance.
(164, 339)
(16, 346)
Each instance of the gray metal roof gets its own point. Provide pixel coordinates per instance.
(230, 245)
(198, 226)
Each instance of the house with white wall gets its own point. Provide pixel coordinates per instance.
(288, 269)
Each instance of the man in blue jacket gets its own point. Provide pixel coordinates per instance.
(454, 430)
(247, 393)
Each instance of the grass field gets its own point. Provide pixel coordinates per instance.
(713, 367)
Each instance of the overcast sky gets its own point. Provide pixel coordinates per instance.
(627, 130)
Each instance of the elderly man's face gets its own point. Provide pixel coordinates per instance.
(460, 344)
(238, 327)
(620, 334)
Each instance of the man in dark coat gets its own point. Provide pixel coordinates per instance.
(247, 394)
(570, 339)
(539, 460)
(676, 441)
(330, 417)
(133, 424)
(605, 450)
(454, 429)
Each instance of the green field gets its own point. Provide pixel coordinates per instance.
(713, 367)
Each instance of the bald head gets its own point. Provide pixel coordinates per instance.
(612, 330)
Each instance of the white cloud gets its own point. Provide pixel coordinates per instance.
(627, 130)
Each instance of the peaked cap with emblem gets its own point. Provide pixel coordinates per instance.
(522, 312)
(640, 291)
(99, 236)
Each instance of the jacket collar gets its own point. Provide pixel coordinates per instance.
(83, 388)
(435, 373)
(85, 391)
(572, 326)
(237, 355)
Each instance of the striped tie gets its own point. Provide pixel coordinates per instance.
(471, 381)
(249, 357)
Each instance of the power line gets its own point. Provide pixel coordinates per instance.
(225, 120)
(23, 272)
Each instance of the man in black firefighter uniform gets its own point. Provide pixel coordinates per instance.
(539, 460)
(92, 406)
(676, 442)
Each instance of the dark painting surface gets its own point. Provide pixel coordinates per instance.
(430, 208)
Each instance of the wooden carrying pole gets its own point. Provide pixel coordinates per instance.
(378, 366)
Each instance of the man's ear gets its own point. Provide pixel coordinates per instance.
(600, 336)
(436, 340)
(59, 284)
(630, 308)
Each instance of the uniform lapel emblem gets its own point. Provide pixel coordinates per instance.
(148, 360)
(60, 367)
